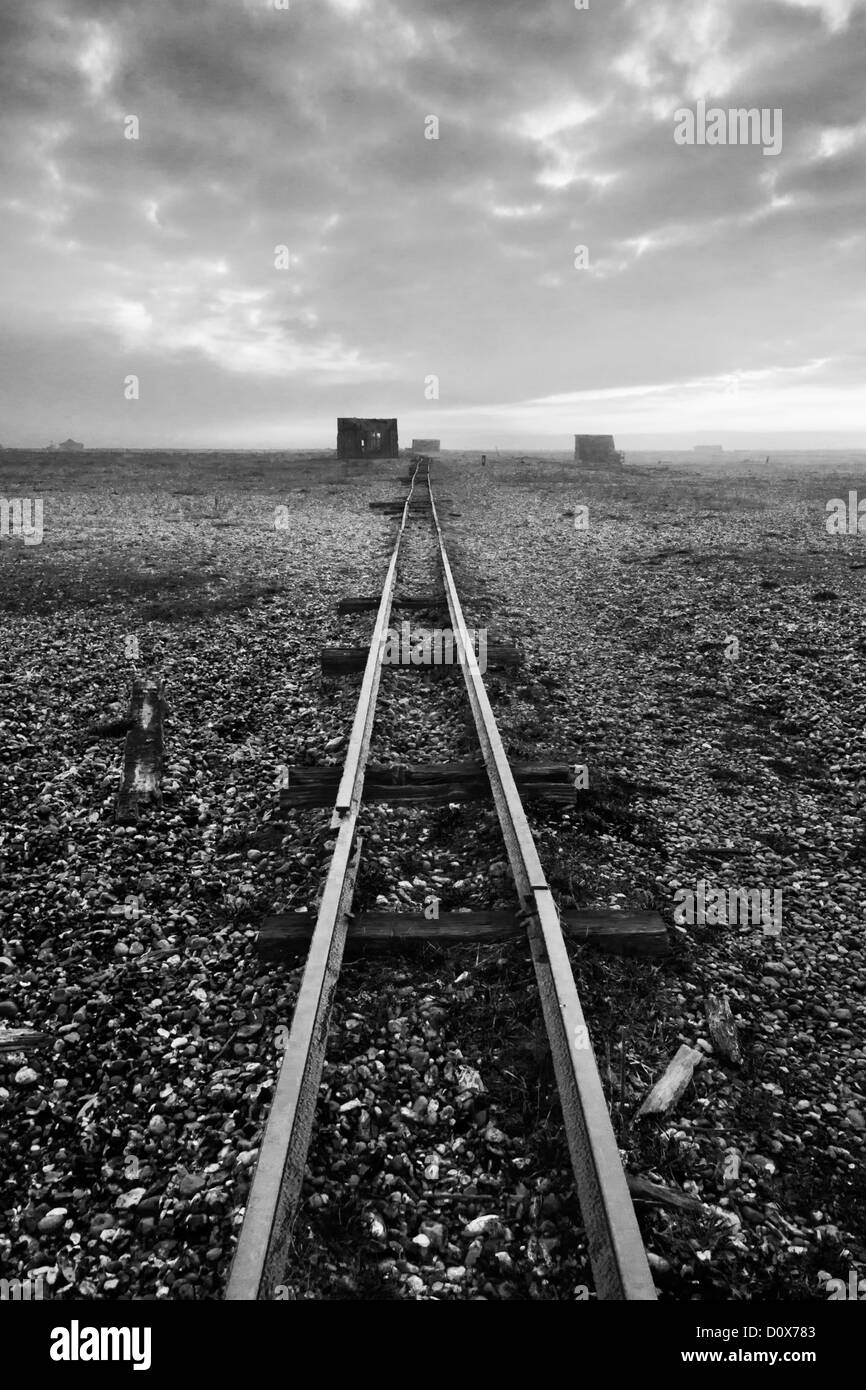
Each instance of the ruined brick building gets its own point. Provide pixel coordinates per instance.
(366, 439)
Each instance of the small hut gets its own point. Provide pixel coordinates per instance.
(366, 439)
(596, 451)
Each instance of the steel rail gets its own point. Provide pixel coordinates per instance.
(262, 1250)
(616, 1250)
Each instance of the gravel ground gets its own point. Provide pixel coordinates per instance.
(438, 1167)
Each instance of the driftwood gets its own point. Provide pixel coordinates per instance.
(668, 1089)
(642, 1190)
(22, 1039)
(722, 1028)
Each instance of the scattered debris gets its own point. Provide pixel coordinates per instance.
(722, 1029)
(670, 1087)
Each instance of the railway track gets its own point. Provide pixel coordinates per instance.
(615, 1248)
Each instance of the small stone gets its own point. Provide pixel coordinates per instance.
(130, 1199)
(53, 1219)
(474, 1253)
(191, 1183)
(378, 1229)
(157, 1124)
(494, 1136)
(434, 1233)
(761, 1164)
(469, 1081)
(488, 1226)
(26, 1076)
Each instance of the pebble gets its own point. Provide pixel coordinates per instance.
(490, 1225)
(54, 1219)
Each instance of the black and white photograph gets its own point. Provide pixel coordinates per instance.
(432, 673)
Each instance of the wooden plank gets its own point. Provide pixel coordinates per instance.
(620, 933)
(22, 1039)
(616, 1251)
(368, 603)
(141, 777)
(434, 784)
(673, 1082)
(394, 505)
(343, 661)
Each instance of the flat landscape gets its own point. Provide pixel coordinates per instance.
(698, 646)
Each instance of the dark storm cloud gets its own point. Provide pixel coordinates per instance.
(412, 257)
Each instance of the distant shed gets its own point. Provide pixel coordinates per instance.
(366, 439)
(425, 446)
(596, 451)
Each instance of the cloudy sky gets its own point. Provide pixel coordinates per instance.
(724, 296)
